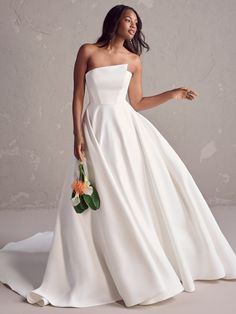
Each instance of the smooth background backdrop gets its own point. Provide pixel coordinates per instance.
(192, 44)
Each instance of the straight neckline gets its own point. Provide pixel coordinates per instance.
(107, 66)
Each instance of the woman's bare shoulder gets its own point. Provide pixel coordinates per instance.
(87, 47)
(85, 51)
(134, 61)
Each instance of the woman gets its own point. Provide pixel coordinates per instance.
(153, 234)
(120, 42)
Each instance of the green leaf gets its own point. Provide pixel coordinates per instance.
(83, 202)
(89, 201)
(95, 198)
(81, 171)
(79, 209)
(81, 206)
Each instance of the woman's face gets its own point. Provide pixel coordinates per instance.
(128, 24)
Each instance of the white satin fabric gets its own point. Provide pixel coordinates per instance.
(154, 233)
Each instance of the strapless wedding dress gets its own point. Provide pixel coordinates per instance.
(153, 234)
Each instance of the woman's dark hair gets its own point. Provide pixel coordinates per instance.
(110, 26)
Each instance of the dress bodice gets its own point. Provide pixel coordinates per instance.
(108, 84)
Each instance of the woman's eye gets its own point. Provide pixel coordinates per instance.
(128, 20)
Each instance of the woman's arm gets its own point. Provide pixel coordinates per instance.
(79, 88)
(80, 68)
(140, 103)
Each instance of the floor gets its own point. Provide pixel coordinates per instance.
(218, 296)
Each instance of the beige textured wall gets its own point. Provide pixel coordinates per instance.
(192, 44)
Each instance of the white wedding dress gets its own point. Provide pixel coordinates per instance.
(153, 234)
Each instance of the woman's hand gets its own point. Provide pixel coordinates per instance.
(183, 93)
(79, 146)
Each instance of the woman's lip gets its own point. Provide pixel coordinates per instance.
(131, 32)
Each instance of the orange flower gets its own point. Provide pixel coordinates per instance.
(79, 186)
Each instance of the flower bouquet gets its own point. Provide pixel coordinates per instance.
(84, 194)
